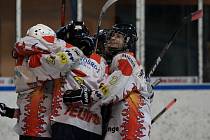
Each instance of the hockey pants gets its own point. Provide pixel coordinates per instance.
(62, 131)
(33, 138)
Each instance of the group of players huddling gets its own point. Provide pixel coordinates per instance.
(69, 90)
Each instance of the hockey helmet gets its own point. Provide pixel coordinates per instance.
(73, 32)
(43, 33)
(128, 31)
(77, 34)
(102, 37)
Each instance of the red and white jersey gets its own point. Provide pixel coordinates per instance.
(35, 79)
(90, 72)
(29, 64)
(34, 107)
(126, 90)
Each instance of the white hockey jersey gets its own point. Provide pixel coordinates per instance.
(35, 79)
(126, 90)
(90, 72)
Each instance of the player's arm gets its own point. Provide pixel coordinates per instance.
(121, 78)
(6, 111)
(85, 95)
(63, 60)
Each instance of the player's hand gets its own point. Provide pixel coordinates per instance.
(6, 111)
(79, 97)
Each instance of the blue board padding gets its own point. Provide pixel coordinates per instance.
(159, 87)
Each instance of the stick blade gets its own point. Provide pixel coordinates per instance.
(171, 104)
(196, 15)
(106, 6)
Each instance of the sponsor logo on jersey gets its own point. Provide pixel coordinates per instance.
(88, 63)
(63, 57)
(113, 129)
(83, 114)
(104, 89)
(129, 59)
(50, 60)
(79, 80)
(70, 55)
(113, 80)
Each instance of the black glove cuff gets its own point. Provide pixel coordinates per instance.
(71, 96)
(86, 97)
(9, 112)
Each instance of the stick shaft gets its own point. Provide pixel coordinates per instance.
(196, 15)
(191, 17)
(104, 9)
(169, 105)
(63, 5)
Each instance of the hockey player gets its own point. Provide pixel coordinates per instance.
(36, 80)
(78, 121)
(126, 88)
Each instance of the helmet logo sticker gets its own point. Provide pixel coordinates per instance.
(49, 39)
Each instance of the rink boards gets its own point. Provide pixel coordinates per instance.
(188, 119)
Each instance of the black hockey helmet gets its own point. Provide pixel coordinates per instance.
(102, 37)
(73, 32)
(129, 33)
(77, 34)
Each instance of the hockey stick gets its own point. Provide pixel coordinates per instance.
(169, 105)
(104, 9)
(63, 9)
(192, 17)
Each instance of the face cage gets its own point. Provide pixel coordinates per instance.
(108, 52)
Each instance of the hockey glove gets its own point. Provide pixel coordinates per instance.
(6, 111)
(78, 97)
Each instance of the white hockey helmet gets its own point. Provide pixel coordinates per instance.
(43, 33)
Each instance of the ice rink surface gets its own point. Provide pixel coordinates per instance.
(6, 124)
(188, 119)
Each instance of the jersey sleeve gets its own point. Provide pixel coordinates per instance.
(102, 64)
(125, 63)
(63, 60)
(114, 89)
